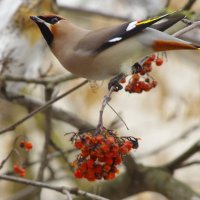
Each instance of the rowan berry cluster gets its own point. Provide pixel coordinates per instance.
(140, 80)
(100, 154)
(19, 170)
(27, 146)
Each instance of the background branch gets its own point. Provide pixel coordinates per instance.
(60, 189)
(176, 163)
(42, 108)
(189, 4)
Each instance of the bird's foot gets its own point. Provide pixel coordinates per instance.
(136, 68)
(114, 82)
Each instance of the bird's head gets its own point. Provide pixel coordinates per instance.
(47, 24)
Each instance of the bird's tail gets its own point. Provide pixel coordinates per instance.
(166, 45)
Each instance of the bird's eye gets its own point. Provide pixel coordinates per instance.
(54, 20)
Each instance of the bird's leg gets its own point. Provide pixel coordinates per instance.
(114, 82)
(106, 99)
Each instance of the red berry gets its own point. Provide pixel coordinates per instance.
(118, 160)
(28, 146)
(159, 61)
(152, 57)
(105, 148)
(106, 168)
(78, 174)
(128, 145)
(90, 163)
(78, 144)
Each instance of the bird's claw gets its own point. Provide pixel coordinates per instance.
(114, 83)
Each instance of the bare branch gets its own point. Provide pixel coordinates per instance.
(172, 141)
(106, 99)
(197, 162)
(48, 131)
(41, 108)
(189, 5)
(61, 189)
(43, 81)
(176, 163)
(92, 12)
(57, 113)
(187, 29)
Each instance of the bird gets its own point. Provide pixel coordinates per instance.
(107, 52)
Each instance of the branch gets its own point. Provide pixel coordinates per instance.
(171, 142)
(187, 29)
(57, 113)
(43, 81)
(189, 5)
(41, 108)
(61, 189)
(145, 178)
(176, 163)
(106, 99)
(94, 12)
(189, 164)
(48, 131)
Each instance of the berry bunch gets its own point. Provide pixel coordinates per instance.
(27, 145)
(140, 80)
(100, 154)
(19, 170)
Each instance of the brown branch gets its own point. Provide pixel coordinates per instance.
(61, 189)
(189, 5)
(92, 12)
(41, 108)
(57, 113)
(53, 81)
(106, 99)
(48, 131)
(171, 142)
(197, 162)
(187, 29)
(62, 152)
(143, 178)
(176, 163)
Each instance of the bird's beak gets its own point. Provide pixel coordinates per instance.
(37, 19)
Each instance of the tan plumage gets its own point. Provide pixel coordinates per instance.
(102, 53)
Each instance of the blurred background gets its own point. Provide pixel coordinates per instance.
(167, 119)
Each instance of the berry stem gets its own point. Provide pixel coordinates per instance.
(106, 99)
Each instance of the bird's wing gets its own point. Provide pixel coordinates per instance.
(102, 39)
(168, 21)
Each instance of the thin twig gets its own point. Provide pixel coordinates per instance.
(118, 116)
(42, 108)
(61, 152)
(187, 29)
(177, 162)
(106, 99)
(95, 12)
(197, 162)
(43, 81)
(10, 153)
(57, 113)
(171, 142)
(61, 189)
